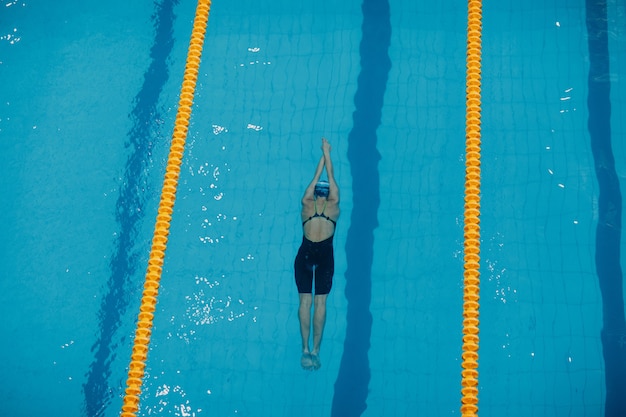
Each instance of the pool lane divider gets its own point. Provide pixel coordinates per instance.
(471, 228)
(143, 331)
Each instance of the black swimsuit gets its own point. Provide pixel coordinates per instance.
(322, 215)
(316, 256)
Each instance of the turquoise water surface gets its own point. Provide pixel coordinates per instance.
(88, 97)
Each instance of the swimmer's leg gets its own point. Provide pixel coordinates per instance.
(304, 314)
(319, 320)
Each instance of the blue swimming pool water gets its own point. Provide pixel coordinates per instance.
(88, 100)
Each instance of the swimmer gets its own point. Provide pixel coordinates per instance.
(315, 261)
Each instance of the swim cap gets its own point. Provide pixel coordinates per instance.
(321, 189)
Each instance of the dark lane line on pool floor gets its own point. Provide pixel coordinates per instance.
(352, 384)
(608, 231)
(134, 194)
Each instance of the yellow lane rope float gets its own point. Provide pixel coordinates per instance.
(164, 216)
(471, 230)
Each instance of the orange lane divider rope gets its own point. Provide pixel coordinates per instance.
(471, 229)
(164, 216)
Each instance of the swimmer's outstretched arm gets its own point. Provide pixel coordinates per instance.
(308, 193)
(333, 191)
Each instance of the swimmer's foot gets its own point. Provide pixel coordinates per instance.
(315, 359)
(306, 361)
